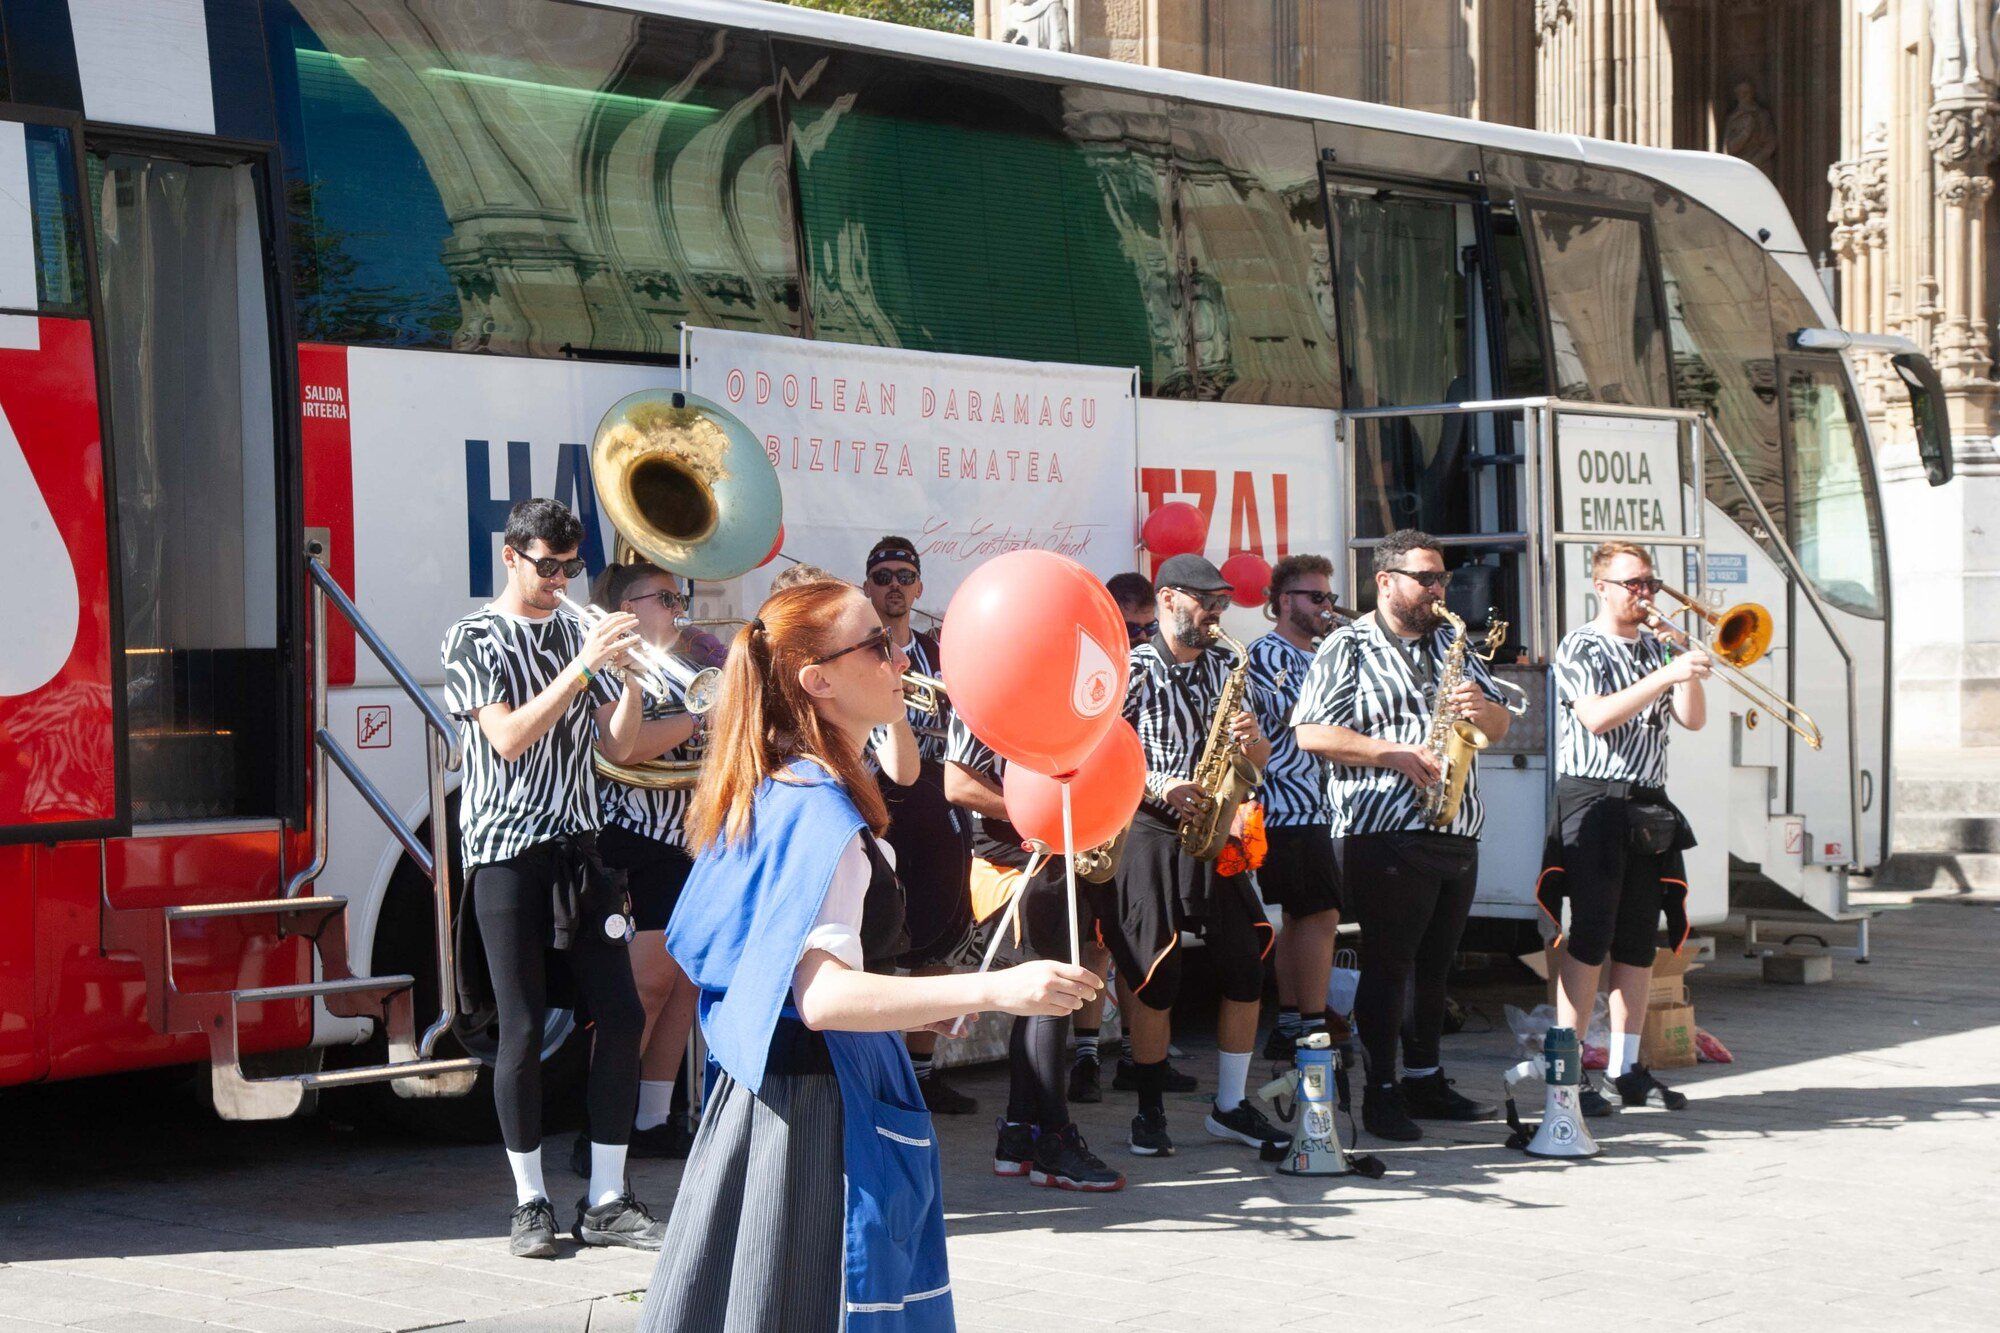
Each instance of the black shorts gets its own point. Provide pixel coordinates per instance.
(1299, 872)
(934, 866)
(1041, 927)
(1616, 895)
(1158, 892)
(654, 873)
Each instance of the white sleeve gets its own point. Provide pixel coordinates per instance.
(838, 929)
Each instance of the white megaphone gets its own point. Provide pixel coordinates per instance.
(1562, 1132)
(1315, 1149)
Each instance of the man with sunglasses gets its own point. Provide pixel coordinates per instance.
(1298, 873)
(532, 688)
(1159, 891)
(1615, 840)
(1366, 709)
(1134, 594)
(933, 854)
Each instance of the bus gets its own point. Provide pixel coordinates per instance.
(297, 296)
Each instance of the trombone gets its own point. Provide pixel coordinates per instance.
(659, 673)
(1738, 637)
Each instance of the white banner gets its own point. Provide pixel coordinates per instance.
(1621, 477)
(968, 457)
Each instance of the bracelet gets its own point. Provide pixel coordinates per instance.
(588, 678)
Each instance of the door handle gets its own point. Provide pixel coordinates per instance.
(1867, 790)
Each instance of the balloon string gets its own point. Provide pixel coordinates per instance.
(1069, 877)
(1000, 930)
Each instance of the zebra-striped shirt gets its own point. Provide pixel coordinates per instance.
(1362, 679)
(1591, 662)
(931, 728)
(1294, 786)
(1172, 704)
(993, 840)
(491, 657)
(652, 812)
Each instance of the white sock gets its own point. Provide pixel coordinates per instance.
(607, 1172)
(528, 1184)
(1232, 1071)
(1419, 1073)
(1624, 1052)
(656, 1103)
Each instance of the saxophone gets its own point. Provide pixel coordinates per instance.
(1453, 742)
(1224, 774)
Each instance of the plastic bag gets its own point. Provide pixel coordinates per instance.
(1342, 982)
(1709, 1050)
(1531, 1026)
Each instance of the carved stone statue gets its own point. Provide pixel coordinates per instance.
(1750, 132)
(1042, 23)
(1965, 50)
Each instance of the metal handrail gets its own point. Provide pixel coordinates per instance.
(441, 752)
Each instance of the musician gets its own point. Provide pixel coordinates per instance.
(1366, 709)
(933, 857)
(529, 686)
(812, 1196)
(1134, 594)
(1177, 680)
(644, 835)
(1299, 873)
(1037, 1137)
(1615, 840)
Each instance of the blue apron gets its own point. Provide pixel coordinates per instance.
(738, 930)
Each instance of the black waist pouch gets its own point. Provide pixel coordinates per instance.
(1651, 830)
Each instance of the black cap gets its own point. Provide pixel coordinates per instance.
(1190, 573)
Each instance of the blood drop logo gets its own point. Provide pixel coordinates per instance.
(1094, 687)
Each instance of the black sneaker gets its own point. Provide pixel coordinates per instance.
(673, 1138)
(1433, 1097)
(623, 1221)
(1083, 1080)
(1063, 1161)
(1015, 1149)
(1382, 1115)
(943, 1099)
(1246, 1125)
(534, 1231)
(1149, 1136)
(1638, 1087)
(1127, 1079)
(1280, 1045)
(1593, 1104)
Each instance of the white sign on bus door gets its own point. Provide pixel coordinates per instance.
(1621, 477)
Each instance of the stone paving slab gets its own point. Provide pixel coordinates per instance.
(1840, 1175)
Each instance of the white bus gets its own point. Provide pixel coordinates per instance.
(348, 276)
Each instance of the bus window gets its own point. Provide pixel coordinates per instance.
(48, 275)
(572, 179)
(956, 210)
(1523, 369)
(1836, 529)
(1254, 245)
(1605, 328)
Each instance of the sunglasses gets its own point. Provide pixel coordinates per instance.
(1316, 598)
(882, 578)
(879, 642)
(1141, 633)
(1207, 601)
(547, 565)
(1429, 578)
(1638, 587)
(666, 597)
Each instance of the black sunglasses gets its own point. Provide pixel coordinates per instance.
(882, 578)
(1208, 601)
(666, 597)
(879, 642)
(1638, 587)
(1429, 578)
(547, 565)
(1316, 598)
(1141, 633)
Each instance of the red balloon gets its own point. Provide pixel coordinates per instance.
(777, 545)
(1174, 529)
(1035, 658)
(1103, 793)
(1249, 578)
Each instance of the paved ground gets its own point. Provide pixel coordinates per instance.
(1841, 1175)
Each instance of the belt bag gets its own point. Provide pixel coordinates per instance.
(1651, 830)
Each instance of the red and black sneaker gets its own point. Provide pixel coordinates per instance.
(1015, 1151)
(1063, 1161)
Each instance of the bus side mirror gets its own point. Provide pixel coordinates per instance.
(1927, 410)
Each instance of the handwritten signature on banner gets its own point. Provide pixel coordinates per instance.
(984, 538)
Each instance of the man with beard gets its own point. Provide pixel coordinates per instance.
(933, 858)
(1298, 873)
(1159, 891)
(1366, 709)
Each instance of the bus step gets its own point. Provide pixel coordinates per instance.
(311, 990)
(256, 907)
(413, 1078)
(240, 1097)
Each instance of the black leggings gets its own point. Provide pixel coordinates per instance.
(511, 900)
(1412, 893)
(1037, 1073)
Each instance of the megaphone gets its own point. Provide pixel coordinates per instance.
(1315, 1148)
(1562, 1132)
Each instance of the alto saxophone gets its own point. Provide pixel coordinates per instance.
(1224, 773)
(1453, 742)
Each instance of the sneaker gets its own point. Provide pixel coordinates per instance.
(1149, 1135)
(1014, 1150)
(1083, 1081)
(1063, 1161)
(1637, 1086)
(1246, 1125)
(943, 1099)
(1432, 1097)
(672, 1138)
(1593, 1104)
(1127, 1079)
(623, 1221)
(1280, 1045)
(534, 1231)
(1382, 1115)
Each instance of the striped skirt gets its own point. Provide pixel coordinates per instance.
(754, 1243)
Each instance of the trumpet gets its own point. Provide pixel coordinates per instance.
(1740, 636)
(925, 693)
(659, 673)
